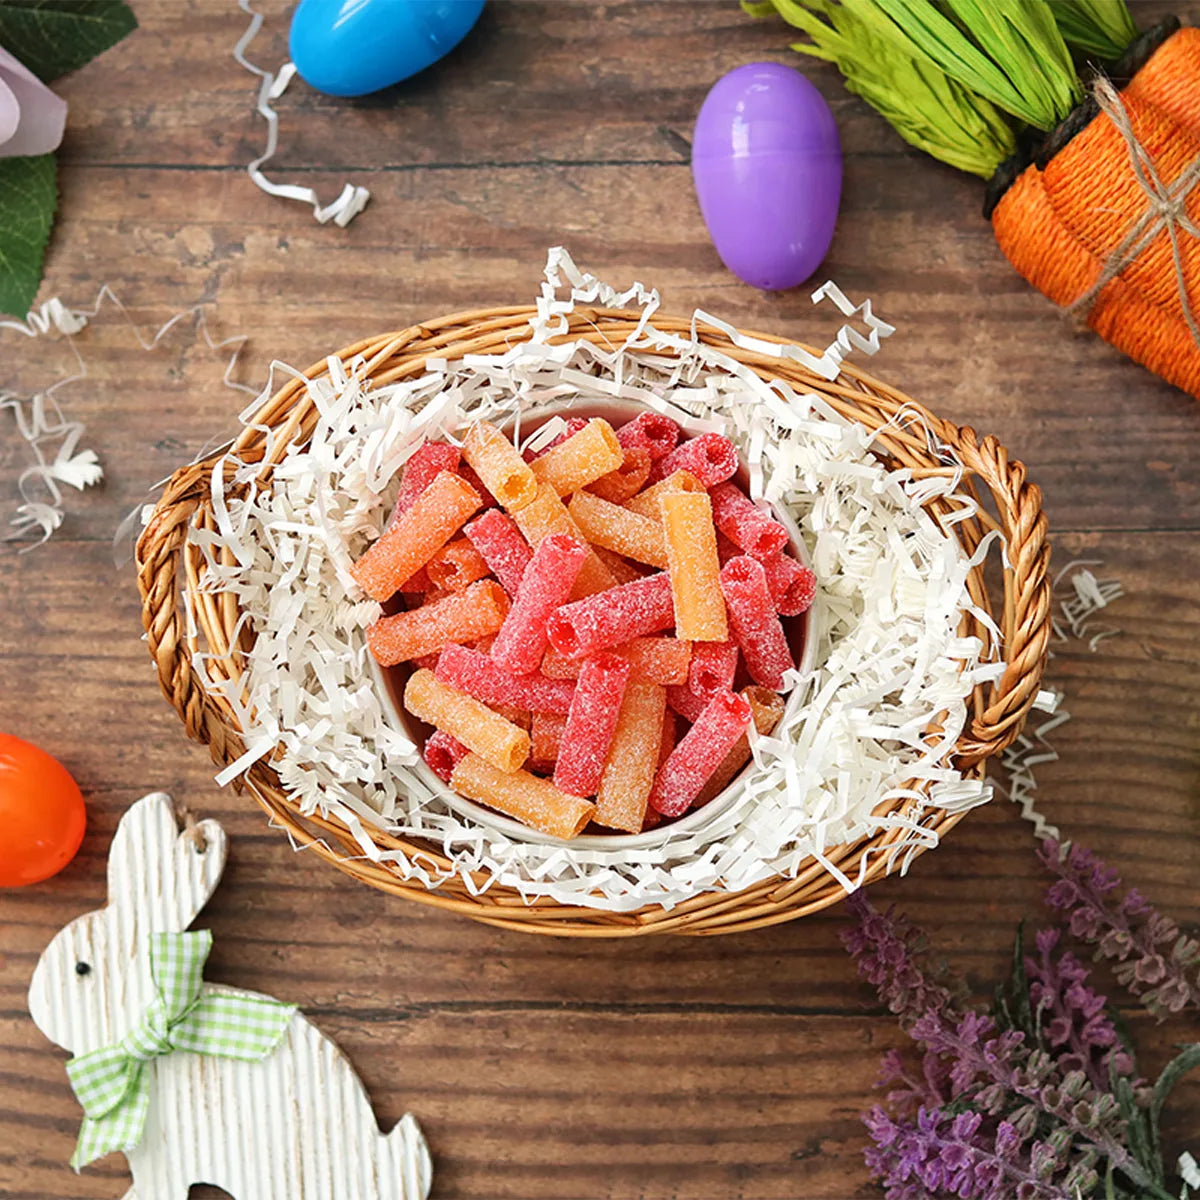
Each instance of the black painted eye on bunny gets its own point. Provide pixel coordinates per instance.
(82, 968)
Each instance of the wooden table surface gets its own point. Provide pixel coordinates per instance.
(697, 1069)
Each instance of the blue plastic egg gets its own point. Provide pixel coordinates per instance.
(767, 164)
(352, 47)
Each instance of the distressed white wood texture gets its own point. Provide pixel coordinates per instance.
(297, 1125)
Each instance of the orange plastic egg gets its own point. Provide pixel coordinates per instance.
(41, 814)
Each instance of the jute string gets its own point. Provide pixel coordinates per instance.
(1166, 209)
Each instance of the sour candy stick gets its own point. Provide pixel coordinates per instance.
(754, 621)
(481, 676)
(619, 530)
(685, 702)
(504, 472)
(405, 547)
(582, 459)
(693, 567)
(661, 660)
(532, 801)
(629, 611)
(573, 426)
(652, 818)
(545, 586)
(443, 753)
(694, 760)
(653, 432)
(627, 480)
(456, 566)
(746, 525)
(767, 707)
(591, 724)
(712, 669)
(424, 465)
(545, 736)
(503, 744)
(793, 586)
(458, 617)
(621, 569)
(505, 551)
(632, 759)
(710, 457)
(646, 503)
(547, 514)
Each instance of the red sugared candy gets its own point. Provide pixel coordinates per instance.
(443, 753)
(612, 617)
(754, 621)
(688, 768)
(423, 466)
(591, 724)
(481, 676)
(746, 525)
(496, 536)
(545, 585)
(710, 457)
(650, 431)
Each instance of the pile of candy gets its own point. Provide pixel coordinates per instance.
(616, 581)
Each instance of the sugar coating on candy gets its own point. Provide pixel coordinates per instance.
(460, 616)
(443, 753)
(793, 586)
(632, 759)
(581, 459)
(746, 525)
(685, 702)
(627, 480)
(647, 502)
(693, 566)
(495, 460)
(653, 432)
(482, 676)
(662, 660)
(611, 617)
(525, 797)
(694, 760)
(424, 465)
(456, 566)
(619, 530)
(547, 514)
(768, 708)
(504, 744)
(754, 621)
(712, 669)
(434, 517)
(545, 586)
(545, 736)
(591, 724)
(502, 546)
(710, 457)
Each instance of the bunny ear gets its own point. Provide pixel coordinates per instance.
(155, 871)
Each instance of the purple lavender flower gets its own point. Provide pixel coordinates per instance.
(1071, 1016)
(1153, 959)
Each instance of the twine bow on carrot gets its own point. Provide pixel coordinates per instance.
(1166, 211)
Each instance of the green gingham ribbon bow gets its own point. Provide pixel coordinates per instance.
(111, 1083)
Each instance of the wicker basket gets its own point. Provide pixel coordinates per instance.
(166, 564)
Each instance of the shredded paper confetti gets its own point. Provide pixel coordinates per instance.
(890, 664)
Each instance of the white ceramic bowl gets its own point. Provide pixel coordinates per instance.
(390, 683)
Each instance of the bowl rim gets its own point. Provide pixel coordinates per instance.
(691, 823)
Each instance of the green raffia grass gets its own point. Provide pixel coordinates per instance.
(953, 76)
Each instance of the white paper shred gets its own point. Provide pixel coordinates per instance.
(352, 200)
(890, 659)
(50, 435)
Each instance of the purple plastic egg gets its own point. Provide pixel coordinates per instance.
(767, 163)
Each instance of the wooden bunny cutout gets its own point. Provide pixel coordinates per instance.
(295, 1125)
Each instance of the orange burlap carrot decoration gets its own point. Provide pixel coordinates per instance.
(1110, 226)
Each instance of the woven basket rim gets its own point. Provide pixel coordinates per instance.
(167, 566)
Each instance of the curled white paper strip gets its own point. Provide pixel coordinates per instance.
(353, 199)
(890, 663)
(53, 439)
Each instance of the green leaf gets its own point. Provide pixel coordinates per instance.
(1100, 27)
(1013, 1008)
(52, 37)
(28, 198)
(1188, 1059)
